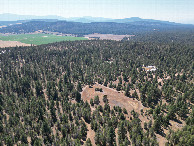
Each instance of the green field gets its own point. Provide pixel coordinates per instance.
(38, 39)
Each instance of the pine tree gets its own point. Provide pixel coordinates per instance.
(79, 87)
(96, 100)
(88, 142)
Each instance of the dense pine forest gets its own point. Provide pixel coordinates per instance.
(42, 100)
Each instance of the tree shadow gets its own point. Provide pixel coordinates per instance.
(84, 138)
(82, 143)
(178, 121)
(161, 132)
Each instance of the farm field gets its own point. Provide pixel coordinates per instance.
(38, 39)
(4, 44)
(107, 36)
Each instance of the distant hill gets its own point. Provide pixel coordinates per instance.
(81, 26)
(81, 29)
(86, 19)
(89, 19)
(137, 19)
(7, 23)
(15, 17)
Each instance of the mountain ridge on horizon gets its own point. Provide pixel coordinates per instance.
(84, 19)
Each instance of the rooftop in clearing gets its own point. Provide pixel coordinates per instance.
(149, 68)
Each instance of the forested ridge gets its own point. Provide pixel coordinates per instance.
(41, 102)
(81, 29)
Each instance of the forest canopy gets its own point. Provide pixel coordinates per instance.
(41, 93)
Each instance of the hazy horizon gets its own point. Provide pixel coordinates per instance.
(179, 11)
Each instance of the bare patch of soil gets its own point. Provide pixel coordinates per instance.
(106, 36)
(117, 99)
(90, 134)
(161, 140)
(3, 26)
(4, 44)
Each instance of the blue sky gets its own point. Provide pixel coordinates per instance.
(170, 10)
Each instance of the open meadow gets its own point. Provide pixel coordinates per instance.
(38, 39)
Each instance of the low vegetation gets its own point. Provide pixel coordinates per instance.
(38, 39)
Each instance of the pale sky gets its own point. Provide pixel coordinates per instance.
(170, 10)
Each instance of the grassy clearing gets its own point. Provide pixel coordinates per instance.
(38, 39)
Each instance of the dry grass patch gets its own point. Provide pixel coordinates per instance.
(4, 44)
(117, 99)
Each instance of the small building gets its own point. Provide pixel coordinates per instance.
(149, 68)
